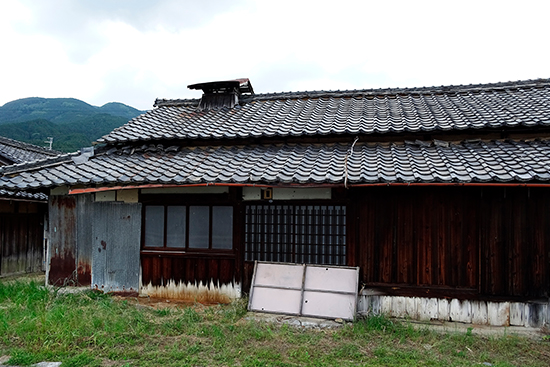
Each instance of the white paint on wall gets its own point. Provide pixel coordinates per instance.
(105, 196)
(127, 196)
(498, 313)
(517, 314)
(444, 310)
(479, 312)
(283, 193)
(427, 309)
(60, 190)
(192, 292)
(534, 314)
(188, 190)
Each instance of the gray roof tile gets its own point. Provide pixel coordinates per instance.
(524, 103)
(14, 151)
(499, 161)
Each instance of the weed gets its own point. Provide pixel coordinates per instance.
(92, 328)
(23, 357)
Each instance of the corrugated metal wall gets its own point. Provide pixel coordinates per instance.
(116, 233)
(84, 213)
(62, 251)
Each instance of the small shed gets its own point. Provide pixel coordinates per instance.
(22, 214)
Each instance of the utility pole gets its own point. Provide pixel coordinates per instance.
(50, 142)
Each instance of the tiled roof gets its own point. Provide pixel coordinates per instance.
(15, 151)
(375, 111)
(23, 195)
(408, 162)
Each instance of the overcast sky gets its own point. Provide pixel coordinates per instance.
(133, 51)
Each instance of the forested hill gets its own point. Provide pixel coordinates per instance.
(71, 123)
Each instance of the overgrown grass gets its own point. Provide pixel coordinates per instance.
(93, 329)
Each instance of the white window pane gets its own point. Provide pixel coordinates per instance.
(154, 226)
(199, 224)
(175, 226)
(222, 227)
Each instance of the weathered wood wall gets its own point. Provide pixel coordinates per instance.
(464, 242)
(160, 268)
(21, 237)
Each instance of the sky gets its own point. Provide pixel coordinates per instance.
(134, 51)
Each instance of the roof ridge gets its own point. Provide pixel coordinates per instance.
(453, 88)
(37, 163)
(28, 146)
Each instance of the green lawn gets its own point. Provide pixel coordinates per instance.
(93, 329)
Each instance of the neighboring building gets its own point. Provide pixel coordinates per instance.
(440, 195)
(22, 214)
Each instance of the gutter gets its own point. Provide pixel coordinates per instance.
(166, 186)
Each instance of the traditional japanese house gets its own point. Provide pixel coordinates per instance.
(22, 214)
(440, 195)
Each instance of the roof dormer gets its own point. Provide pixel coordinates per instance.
(221, 94)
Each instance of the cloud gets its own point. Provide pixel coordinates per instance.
(136, 51)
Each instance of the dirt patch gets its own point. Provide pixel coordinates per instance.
(162, 303)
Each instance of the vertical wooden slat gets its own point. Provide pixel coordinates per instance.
(146, 270)
(166, 269)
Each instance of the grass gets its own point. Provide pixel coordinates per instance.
(94, 329)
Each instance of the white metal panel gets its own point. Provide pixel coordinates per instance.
(276, 300)
(331, 279)
(329, 305)
(279, 275)
(309, 290)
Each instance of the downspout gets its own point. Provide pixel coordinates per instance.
(349, 153)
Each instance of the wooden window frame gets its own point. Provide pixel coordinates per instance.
(187, 248)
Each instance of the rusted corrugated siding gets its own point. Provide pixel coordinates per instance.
(62, 266)
(478, 242)
(84, 210)
(116, 232)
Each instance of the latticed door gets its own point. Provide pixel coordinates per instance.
(312, 234)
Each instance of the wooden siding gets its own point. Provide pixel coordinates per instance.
(453, 241)
(159, 269)
(21, 244)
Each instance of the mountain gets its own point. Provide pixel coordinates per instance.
(72, 123)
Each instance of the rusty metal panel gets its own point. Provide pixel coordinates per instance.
(62, 252)
(308, 290)
(84, 211)
(116, 231)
